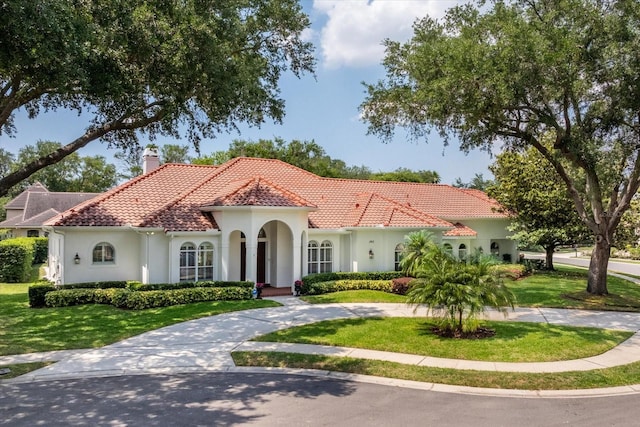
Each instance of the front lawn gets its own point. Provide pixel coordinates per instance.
(513, 342)
(564, 288)
(25, 330)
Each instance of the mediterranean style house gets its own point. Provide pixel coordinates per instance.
(261, 220)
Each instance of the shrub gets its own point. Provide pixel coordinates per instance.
(16, 259)
(512, 271)
(41, 250)
(96, 285)
(349, 285)
(401, 285)
(310, 280)
(68, 297)
(37, 293)
(186, 285)
(139, 300)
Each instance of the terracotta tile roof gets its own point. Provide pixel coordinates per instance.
(172, 197)
(260, 192)
(460, 230)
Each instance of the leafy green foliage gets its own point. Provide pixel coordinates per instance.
(458, 292)
(542, 212)
(418, 249)
(38, 292)
(308, 282)
(518, 72)
(348, 285)
(153, 67)
(16, 259)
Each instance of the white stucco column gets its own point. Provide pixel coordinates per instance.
(225, 256)
(298, 255)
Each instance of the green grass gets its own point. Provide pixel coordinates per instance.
(513, 342)
(565, 288)
(21, 369)
(610, 377)
(354, 296)
(25, 330)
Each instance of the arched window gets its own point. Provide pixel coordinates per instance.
(103, 253)
(187, 262)
(312, 257)
(262, 234)
(448, 248)
(462, 251)
(397, 256)
(326, 257)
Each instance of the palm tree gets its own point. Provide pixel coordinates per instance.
(458, 293)
(418, 248)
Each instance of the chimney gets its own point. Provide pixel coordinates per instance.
(150, 159)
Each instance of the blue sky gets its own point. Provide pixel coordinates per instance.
(347, 35)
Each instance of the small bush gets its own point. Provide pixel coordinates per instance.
(96, 285)
(349, 285)
(37, 294)
(68, 297)
(401, 285)
(310, 280)
(139, 300)
(512, 271)
(187, 285)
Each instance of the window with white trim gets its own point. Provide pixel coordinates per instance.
(103, 253)
(196, 263)
(397, 256)
(326, 257)
(312, 257)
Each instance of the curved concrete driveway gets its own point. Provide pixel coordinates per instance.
(205, 345)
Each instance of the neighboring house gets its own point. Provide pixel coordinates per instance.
(260, 220)
(34, 206)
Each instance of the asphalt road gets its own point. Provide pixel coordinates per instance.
(569, 258)
(286, 400)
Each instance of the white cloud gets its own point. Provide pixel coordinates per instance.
(355, 29)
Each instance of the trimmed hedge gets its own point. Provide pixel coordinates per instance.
(98, 285)
(139, 300)
(312, 279)
(41, 249)
(349, 285)
(16, 259)
(38, 292)
(186, 285)
(401, 285)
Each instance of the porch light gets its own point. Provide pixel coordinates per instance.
(76, 258)
(370, 253)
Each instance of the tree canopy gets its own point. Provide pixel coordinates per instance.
(161, 68)
(514, 72)
(531, 191)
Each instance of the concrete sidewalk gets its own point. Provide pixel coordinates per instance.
(204, 345)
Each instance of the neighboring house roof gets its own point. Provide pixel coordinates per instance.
(36, 205)
(173, 197)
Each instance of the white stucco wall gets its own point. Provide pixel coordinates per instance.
(489, 230)
(126, 244)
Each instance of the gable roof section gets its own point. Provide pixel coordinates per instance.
(172, 197)
(460, 230)
(373, 210)
(36, 205)
(260, 192)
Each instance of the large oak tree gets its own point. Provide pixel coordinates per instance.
(511, 73)
(159, 67)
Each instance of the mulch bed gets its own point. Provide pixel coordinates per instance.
(478, 334)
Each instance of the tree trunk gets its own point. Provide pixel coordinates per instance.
(549, 257)
(597, 279)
